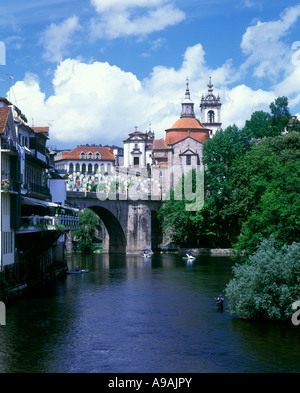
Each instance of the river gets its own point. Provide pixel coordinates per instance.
(128, 315)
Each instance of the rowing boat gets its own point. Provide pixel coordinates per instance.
(77, 271)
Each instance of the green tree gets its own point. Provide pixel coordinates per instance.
(259, 125)
(266, 187)
(176, 220)
(217, 219)
(280, 115)
(267, 285)
(90, 230)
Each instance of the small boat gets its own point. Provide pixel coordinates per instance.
(146, 253)
(77, 271)
(189, 255)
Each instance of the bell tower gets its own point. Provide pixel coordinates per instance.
(211, 110)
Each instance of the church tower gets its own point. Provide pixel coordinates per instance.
(211, 110)
(187, 104)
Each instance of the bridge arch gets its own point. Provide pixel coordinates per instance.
(131, 225)
(117, 238)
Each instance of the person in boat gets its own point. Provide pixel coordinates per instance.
(76, 269)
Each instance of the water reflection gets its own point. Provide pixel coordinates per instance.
(132, 315)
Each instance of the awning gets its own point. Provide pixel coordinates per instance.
(37, 202)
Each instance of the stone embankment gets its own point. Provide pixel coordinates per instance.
(215, 252)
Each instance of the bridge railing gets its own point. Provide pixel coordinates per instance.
(115, 196)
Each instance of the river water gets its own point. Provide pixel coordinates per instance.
(128, 315)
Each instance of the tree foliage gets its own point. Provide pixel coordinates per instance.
(268, 285)
(251, 186)
(89, 232)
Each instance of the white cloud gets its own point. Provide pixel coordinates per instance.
(241, 101)
(100, 103)
(118, 18)
(252, 4)
(107, 5)
(57, 38)
(265, 47)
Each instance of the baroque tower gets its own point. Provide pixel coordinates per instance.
(211, 110)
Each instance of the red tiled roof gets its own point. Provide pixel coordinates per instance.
(41, 129)
(184, 127)
(106, 153)
(159, 144)
(5, 100)
(173, 137)
(137, 132)
(4, 113)
(187, 123)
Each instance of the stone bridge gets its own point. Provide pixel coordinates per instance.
(130, 225)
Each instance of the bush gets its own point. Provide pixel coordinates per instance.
(267, 285)
(85, 246)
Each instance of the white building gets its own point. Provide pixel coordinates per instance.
(138, 149)
(9, 186)
(87, 160)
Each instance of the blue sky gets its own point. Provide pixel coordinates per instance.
(95, 69)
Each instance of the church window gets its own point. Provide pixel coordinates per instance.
(211, 117)
(188, 160)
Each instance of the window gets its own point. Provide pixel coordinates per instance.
(136, 161)
(71, 168)
(188, 160)
(211, 116)
(83, 168)
(82, 155)
(98, 156)
(90, 155)
(7, 242)
(90, 169)
(77, 168)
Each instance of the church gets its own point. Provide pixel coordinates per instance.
(182, 148)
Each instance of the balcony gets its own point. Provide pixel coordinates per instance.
(37, 223)
(10, 186)
(33, 188)
(8, 146)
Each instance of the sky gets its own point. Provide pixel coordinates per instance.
(93, 70)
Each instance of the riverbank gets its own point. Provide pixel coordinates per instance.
(214, 252)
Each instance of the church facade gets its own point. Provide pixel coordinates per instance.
(167, 159)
